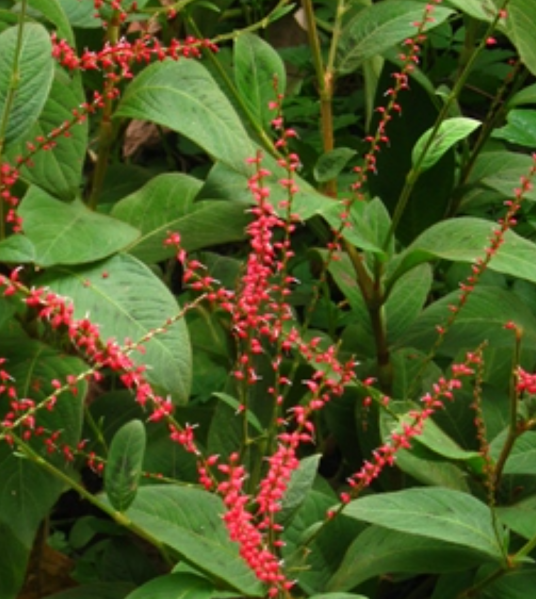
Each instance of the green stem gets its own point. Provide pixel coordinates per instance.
(325, 78)
(413, 175)
(10, 98)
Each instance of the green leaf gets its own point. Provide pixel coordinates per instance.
(517, 583)
(331, 164)
(53, 11)
(189, 521)
(256, 67)
(406, 300)
(522, 458)
(520, 517)
(36, 69)
(128, 301)
(482, 318)
(17, 249)
(526, 95)
(464, 239)
(435, 513)
(378, 551)
(501, 171)
(166, 204)
(449, 133)
(175, 586)
(124, 465)
(315, 562)
(58, 171)
(484, 10)
(520, 128)
(81, 14)
(301, 482)
(376, 28)
(184, 97)
(225, 183)
(70, 233)
(519, 28)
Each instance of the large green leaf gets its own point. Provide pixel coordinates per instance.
(501, 170)
(520, 517)
(126, 299)
(482, 318)
(465, 239)
(522, 457)
(375, 29)
(520, 29)
(517, 583)
(123, 467)
(184, 97)
(59, 171)
(81, 14)
(175, 586)
(36, 69)
(378, 551)
(484, 10)
(70, 233)
(166, 204)
(256, 65)
(189, 521)
(17, 249)
(520, 128)
(434, 513)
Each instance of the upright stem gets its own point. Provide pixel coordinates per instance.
(10, 98)
(325, 77)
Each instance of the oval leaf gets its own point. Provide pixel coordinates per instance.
(166, 204)
(450, 132)
(435, 513)
(184, 97)
(464, 239)
(256, 67)
(377, 28)
(36, 69)
(127, 301)
(189, 521)
(70, 233)
(379, 551)
(123, 468)
(59, 171)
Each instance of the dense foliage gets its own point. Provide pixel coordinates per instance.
(268, 299)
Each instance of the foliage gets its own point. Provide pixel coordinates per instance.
(266, 327)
